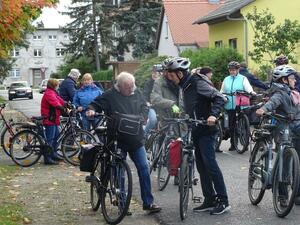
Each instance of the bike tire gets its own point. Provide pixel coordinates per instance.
(153, 154)
(30, 153)
(6, 136)
(72, 143)
(163, 175)
(95, 188)
(219, 135)
(290, 159)
(258, 161)
(242, 134)
(112, 194)
(184, 186)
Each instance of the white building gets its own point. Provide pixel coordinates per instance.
(42, 58)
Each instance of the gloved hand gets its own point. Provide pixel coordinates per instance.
(175, 109)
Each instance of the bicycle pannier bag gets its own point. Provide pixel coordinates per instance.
(87, 158)
(175, 151)
(242, 100)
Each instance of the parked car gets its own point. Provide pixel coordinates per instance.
(43, 86)
(19, 89)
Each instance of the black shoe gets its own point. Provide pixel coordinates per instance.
(206, 206)
(220, 208)
(50, 162)
(297, 200)
(56, 158)
(129, 213)
(232, 148)
(176, 180)
(152, 208)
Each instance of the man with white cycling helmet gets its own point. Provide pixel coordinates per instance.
(202, 101)
(285, 100)
(232, 83)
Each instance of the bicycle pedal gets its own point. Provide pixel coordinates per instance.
(89, 179)
(197, 199)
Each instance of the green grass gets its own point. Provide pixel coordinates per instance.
(11, 213)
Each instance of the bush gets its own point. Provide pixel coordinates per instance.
(143, 72)
(104, 75)
(264, 72)
(216, 58)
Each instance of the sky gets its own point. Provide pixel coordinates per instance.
(51, 16)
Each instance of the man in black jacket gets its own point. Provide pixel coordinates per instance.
(124, 98)
(68, 87)
(252, 79)
(203, 101)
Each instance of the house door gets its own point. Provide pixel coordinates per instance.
(37, 77)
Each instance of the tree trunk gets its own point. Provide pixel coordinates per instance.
(96, 45)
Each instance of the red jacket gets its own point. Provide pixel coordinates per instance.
(50, 101)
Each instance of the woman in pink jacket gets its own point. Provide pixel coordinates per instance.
(51, 106)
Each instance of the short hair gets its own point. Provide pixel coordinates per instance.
(205, 70)
(52, 83)
(86, 76)
(124, 77)
(244, 65)
(74, 73)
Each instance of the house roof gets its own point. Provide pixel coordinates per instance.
(230, 7)
(180, 15)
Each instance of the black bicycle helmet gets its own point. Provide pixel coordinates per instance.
(281, 60)
(283, 71)
(233, 65)
(177, 63)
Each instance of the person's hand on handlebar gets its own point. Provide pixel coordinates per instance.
(260, 112)
(211, 120)
(90, 113)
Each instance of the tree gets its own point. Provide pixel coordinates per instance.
(271, 40)
(90, 30)
(15, 21)
(5, 67)
(137, 22)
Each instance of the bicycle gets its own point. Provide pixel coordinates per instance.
(111, 181)
(281, 177)
(29, 144)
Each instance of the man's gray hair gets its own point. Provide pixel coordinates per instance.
(123, 77)
(74, 73)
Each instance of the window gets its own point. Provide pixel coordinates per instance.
(37, 53)
(218, 44)
(15, 53)
(52, 37)
(37, 37)
(59, 52)
(233, 43)
(14, 73)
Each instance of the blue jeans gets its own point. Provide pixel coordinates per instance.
(152, 121)
(139, 158)
(52, 133)
(88, 122)
(212, 181)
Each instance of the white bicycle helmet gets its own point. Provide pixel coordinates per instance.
(283, 71)
(177, 63)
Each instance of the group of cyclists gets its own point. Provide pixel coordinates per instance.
(174, 89)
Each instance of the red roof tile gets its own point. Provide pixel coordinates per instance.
(181, 14)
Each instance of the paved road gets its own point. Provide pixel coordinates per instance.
(235, 169)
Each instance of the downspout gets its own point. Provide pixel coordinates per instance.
(245, 32)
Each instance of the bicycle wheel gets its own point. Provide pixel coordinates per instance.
(7, 134)
(25, 148)
(242, 134)
(256, 179)
(153, 153)
(184, 186)
(95, 188)
(72, 144)
(116, 194)
(163, 175)
(284, 191)
(219, 135)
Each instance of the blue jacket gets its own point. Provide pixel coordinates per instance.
(67, 89)
(232, 84)
(252, 79)
(85, 95)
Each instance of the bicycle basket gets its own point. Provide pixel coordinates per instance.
(87, 157)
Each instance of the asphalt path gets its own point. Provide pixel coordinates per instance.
(235, 171)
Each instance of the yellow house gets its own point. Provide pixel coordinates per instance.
(228, 25)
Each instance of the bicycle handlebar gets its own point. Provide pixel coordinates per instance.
(185, 120)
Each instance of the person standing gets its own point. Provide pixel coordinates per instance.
(232, 83)
(51, 106)
(252, 79)
(203, 101)
(125, 98)
(68, 86)
(83, 97)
